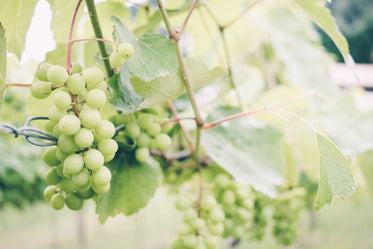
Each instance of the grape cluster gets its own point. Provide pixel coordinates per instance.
(84, 140)
(287, 208)
(124, 51)
(142, 132)
(202, 227)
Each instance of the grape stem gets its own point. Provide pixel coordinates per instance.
(94, 39)
(18, 84)
(182, 28)
(69, 43)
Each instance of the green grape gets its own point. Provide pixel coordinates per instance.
(93, 159)
(67, 185)
(41, 72)
(62, 100)
(154, 130)
(66, 144)
(243, 213)
(189, 241)
(102, 86)
(200, 245)
(57, 201)
(190, 214)
(216, 229)
(76, 68)
(56, 114)
(73, 164)
(57, 75)
(74, 201)
(211, 241)
(151, 144)
(95, 98)
(132, 130)
(59, 169)
(198, 224)
(86, 194)
(48, 126)
(167, 128)
(102, 189)
(183, 203)
(52, 177)
(162, 141)
(145, 121)
(101, 177)
(107, 146)
(81, 178)
(85, 187)
(108, 157)
(83, 93)
(228, 198)
(76, 84)
(56, 131)
(90, 118)
(40, 89)
(208, 203)
(116, 60)
(184, 229)
(93, 76)
(177, 244)
(142, 154)
(50, 157)
(142, 140)
(123, 119)
(105, 129)
(69, 124)
(222, 181)
(61, 155)
(125, 50)
(49, 192)
(83, 138)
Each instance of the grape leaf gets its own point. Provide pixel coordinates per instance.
(3, 63)
(365, 162)
(15, 16)
(172, 86)
(335, 174)
(154, 55)
(132, 185)
(249, 150)
(123, 97)
(321, 15)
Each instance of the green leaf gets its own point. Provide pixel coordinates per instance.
(154, 55)
(335, 174)
(321, 15)
(172, 86)
(365, 162)
(249, 150)
(15, 16)
(123, 97)
(132, 186)
(3, 63)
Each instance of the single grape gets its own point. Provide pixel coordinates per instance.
(83, 93)
(217, 215)
(167, 128)
(154, 129)
(56, 131)
(81, 178)
(49, 192)
(76, 68)
(67, 185)
(221, 181)
(85, 187)
(76, 84)
(105, 129)
(74, 201)
(41, 72)
(189, 241)
(52, 177)
(145, 121)
(107, 146)
(184, 229)
(132, 130)
(93, 159)
(123, 119)
(61, 155)
(48, 126)
(102, 86)
(216, 229)
(73, 164)
(66, 144)
(69, 124)
(162, 141)
(40, 89)
(125, 50)
(59, 169)
(50, 157)
(183, 203)
(142, 140)
(83, 138)
(142, 154)
(57, 75)
(56, 114)
(102, 189)
(90, 118)
(86, 194)
(190, 214)
(96, 98)
(93, 76)
(228, 198)
(211, 241)
(57, 201)
(62, 100)
(208, 203)
(116, 60)
(198, 224)
(108, 157)
(101, 177)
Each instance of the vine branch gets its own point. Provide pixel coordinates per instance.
(69, 44)
(182, 28)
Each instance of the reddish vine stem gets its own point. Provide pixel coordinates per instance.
(94, 39)
(177, 119)
(18, 84)
(182, 28)
(69, 43)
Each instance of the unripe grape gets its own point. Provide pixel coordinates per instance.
(50, 157)
(48, 126)
(83, 93)
(142, 154)
(183, 203)
(81, 178)
(83, 138)
(102, 86)
(154, 129)
(228, 198)
(95, 98)
(145, 121)
(93, 76)
(221, 181)
(116, 60)
(56, 114)
(61, 155)
(76, 84)
(49, 192)
(108, 157)
(184, 229)
(57, 201)
(69, 124)
(57, 75)
(208, 203)
(41, 72)
(66, 144)
(74, 201)
(40, 89)
(125, 50)
(211, 242)
(59, 169)
(105, 129)
(189, 241)
(62, 100)
(190, 214)
(101, 177)
(90, 118)
(132, 130)
(67, 185)
(76, 68)
(102, 189)
(93, 159)
(86, 194)
(73, 164)
(107, 146)
(162, 141)
(123, 119)
(217, 215)
(142, 140)
(177, 244)
(52, 177)
(198, 224)
(85, 187)
(167, 128)
(56, 132)
(216, 229)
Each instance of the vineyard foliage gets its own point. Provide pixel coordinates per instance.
(241, 87)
